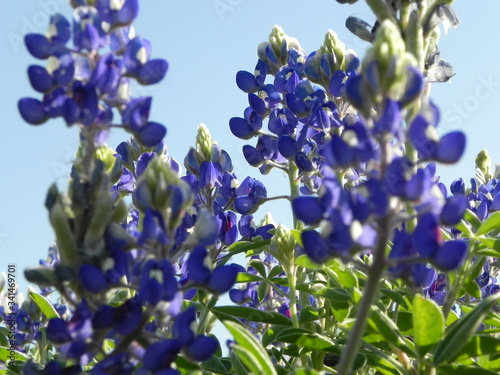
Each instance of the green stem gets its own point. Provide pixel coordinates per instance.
(293, 172)
(369, 294)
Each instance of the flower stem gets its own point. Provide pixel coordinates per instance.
(369, 294)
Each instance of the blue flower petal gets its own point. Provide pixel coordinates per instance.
(39, 78)
(308, 209)
(315, 246)
(151, 134)
(241, 128)
(161, 354)
(57, 331)
(453, 210)
(38, 45)
(451, 147)
(252, 156)
(450, 255)
(92, 278)
(427, 235)
(32, 111)
(202, 348)
(246, 82)
(222, 279)
(152, 72)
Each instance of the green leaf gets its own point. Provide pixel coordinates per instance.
(259, 266)
(396, 296)
(472, 219)
(491, 223)
(5, 355)
(384, 364)
(464, 370)
(242, 246)
(380, 322)
(251, 314)
(215, 365)
(262, 291)
(43, 303)
(462, 330)
(465, 229)
(306, 262)
(345, 275)
(493, 244)
(428, 323)
(245, 277)
(301, 337)
(480, 345)
(250, 350)
(308, 314)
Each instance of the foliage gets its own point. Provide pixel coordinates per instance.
(383, 272)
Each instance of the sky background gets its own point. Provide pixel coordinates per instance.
(206, 42)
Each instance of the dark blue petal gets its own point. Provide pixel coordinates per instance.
(241, 128)
(92, 278)
(202, 348)
(39, 78)
(414, 85)
(32, 111)
(427, 236)
(70, 111)
(38, 45)
(451, 147)
(453, 210)
(457, 187)
(182, 328)
(127, 13)
(303, 162)
(450, 255)
(252, 156)
(315, 246)
(152, 72)
(244, 205)
(143, 162)
(418, 137)
(222, 279)
(246, 82)
(198, 272)
(337, 83)
(287, 146)
(308, 209)
(57, 331)
(161, 354)
(151, 134)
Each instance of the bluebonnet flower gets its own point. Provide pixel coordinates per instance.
(217, 280)
(83, 86)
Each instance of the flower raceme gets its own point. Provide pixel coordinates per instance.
(82, 85)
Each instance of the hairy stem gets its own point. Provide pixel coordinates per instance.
(369, 294)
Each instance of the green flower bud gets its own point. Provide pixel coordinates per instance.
(335, 50)
(204, 142)
(41, 275)
(391, 63)
(277, 41)
(483, 164)
(66, 242)
(112, 164)
(282, 246)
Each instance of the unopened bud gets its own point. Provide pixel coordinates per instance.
(483, 163)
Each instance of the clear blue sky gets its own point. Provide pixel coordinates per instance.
(206, 42)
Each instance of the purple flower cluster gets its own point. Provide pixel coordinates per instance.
(86, 83)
